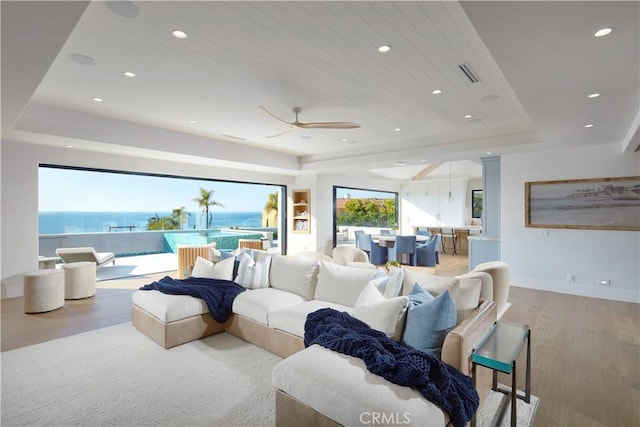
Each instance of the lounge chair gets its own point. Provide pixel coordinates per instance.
(85, 254)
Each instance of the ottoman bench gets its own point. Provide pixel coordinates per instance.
(321, 387)
(171, 320)
(79, 280)
(43, 290)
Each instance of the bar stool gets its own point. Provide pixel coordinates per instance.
(457, 235)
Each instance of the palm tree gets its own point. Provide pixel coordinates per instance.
(180, 216)
(204, 201)
(270, 210)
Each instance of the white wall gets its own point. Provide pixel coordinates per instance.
(19, 196)
(543, 262)
(426, 203)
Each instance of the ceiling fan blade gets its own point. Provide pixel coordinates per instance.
(267, 112)
(327, 125)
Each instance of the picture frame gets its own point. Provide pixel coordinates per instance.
(476, 204)
(595, 204)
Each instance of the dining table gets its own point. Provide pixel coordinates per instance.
(389, 240)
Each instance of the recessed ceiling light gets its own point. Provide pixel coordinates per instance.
(422, 160)
(603, 32)
(401, 163)
(468, 116)
(397, 129)
(258, 136)
(594, 95)
(384, 48)
(344, 139)
(193, 121)
(488, 152)
(129, 74)
(98, 99)
(179, 34)
(590, 125)
(69, 146)
(436, 91)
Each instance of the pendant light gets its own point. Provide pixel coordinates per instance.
(450, 195)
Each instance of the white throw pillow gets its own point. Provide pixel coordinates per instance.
(394, 284)
(296, 275)
(341, 284)
(253, 274)
(386, 315)
(222, 270)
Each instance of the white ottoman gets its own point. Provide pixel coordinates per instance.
(79, 280)
(43, 290)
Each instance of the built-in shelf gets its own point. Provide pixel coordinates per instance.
(301, 211)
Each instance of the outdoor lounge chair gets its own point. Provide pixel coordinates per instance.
(85, 254)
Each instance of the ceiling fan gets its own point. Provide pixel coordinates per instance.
(301, 125)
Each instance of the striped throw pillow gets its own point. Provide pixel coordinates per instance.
(252, 274)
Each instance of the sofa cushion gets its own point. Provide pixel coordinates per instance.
(296, 275)
(465, 291)
(341, 284)
(434, 284)
(253, 274)
(222, 270)
(466, 295)
(169, 308)
(429, 320)
(386, 315)
(258, 303)
(292, 319)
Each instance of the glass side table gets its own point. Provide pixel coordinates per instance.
(499, 351)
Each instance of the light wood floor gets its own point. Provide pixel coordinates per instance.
(585, 351)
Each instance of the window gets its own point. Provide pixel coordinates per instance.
(355, 208)
(476, 203)
(73, 200)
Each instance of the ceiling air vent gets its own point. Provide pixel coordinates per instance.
(469, 72)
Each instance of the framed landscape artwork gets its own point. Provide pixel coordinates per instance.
(598, 203)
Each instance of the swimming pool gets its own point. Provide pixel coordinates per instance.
(223, 239)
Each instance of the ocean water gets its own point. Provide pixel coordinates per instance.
(92, 222)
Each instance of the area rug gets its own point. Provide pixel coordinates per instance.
(487, 415)
(140, 265)
(116, 376)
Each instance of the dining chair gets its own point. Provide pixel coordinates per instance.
(377, 254)
(426, 254)
(358, 233)
(404, 245)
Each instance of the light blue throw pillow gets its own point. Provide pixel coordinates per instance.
(429, 320)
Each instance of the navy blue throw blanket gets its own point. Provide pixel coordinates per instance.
(218, 294)
(445, 386)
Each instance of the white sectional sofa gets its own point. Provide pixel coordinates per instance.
(273, 318)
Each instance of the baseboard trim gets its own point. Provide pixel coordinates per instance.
(579, 289)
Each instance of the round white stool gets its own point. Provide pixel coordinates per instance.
(43, 290)
(79, 280)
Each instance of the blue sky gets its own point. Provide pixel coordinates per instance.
(88, 191)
